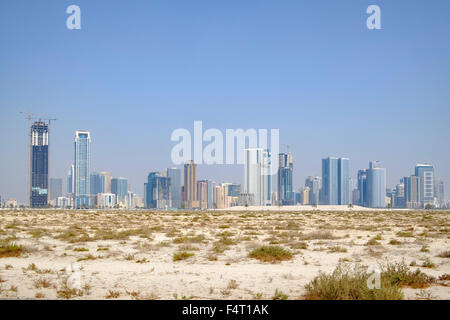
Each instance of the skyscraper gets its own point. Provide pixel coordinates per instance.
(119, 187)
(362, 187)
(344, 181)
(71, 180)
(202, 193)
(376, 186)
(82, 169)
(211, 190)
(440, 192)
(190, 185)
(335, 181)
(157, 191)
(106, 181)
(257, 175)
(39, 164)
(55, 188)
(315, 185)
(412, 191)
(285, 175)
(175, 186)
(97, 185)
(426, 174)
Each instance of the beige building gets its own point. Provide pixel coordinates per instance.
(220, 198)
(190, 186)
(305, 196)
(202, 192)
(107, 177)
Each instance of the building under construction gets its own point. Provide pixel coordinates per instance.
(39, 143)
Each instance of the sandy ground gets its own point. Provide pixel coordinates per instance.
(130, 254)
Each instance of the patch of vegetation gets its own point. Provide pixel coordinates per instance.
(428, 264)
(279, 295)
(112, 294)
(182, 255)
(372, 242)
(337, 249)
(395, 242)
(10, 249)
(405, 234)
(271, 254)
(317, 235)
(347, 283)
(80, 249)
(445, 254)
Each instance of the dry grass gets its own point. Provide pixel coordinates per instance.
(10, 249)
(271, 254)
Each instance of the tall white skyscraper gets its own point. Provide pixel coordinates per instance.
(426, 174)
(376, 186)
(257, 175)
(82, 172)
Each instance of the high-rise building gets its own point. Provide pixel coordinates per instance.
(362, 188)
(82, 169)
(119, 187)
(285, 176)
(105, 181)
(97, 184)
(376, 186)
(305, 196)
(335, 181)
(190, 185)
(257, 175)
(157, 191)
(426, 174)
(175, 186)
(344, 181)
(106, 200)
(211, 189)
(202, 193)
(55, 188)
(315, 185)
(398, 196)
(440, 193)
(71, 180)
(39, 145)
(220, 197)
(412, 191)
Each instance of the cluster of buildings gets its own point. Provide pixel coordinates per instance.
(177, 189)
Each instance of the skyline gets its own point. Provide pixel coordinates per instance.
(331, 86)
(337, 185)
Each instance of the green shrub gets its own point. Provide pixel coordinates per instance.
(271, 254)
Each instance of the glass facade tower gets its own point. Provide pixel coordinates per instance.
(82, 169)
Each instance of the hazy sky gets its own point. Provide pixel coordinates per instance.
(137, 70)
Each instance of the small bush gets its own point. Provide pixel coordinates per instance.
(279, 295)
(271, 254)
(182, 255)
(445, 254)
(10, 249)
(347, 283)
(428, 264)
(395, 242)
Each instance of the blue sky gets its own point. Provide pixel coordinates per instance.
(137, 70)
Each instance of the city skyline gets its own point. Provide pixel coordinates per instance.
(255, 64)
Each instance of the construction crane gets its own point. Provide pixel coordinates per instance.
(40, 117)
(288, 147)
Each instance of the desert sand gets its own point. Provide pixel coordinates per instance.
(205, 255)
